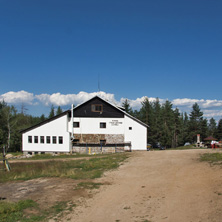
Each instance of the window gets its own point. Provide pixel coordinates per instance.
(42, 139)
(36, 139)
(29, 139)
(54, 139)
(60, 140)
(48, 139)
(97, 108)
(102, 125)
(130, 128)
(76, 124)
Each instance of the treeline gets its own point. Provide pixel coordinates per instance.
(170, 127)
(12, 122)
(166, 125)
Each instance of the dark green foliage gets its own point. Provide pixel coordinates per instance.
(212, 127)
(170, 127)
(219, 130)
(195, 123)
(52, 112)
(126, 106)
(166, 125)
(11, 122)
(59, 110)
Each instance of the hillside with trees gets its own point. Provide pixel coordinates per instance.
(166, 124)
(170, 127)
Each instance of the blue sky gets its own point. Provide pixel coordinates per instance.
(168, 49)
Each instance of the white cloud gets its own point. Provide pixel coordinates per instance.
(210, 108)
(59, 99)
(201, 102)
(17, 97)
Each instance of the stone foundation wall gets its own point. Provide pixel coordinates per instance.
(96, 150)
(95, 138)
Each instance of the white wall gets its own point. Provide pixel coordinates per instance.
(57, 127)
(138, 134)
(92, 126)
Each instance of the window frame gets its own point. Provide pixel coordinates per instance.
(102, 125)
(95, 106)
(60, 139)
(36, 139)
(76, 124)
(29, 139)
(42, 139)
(54, 140)
(48, 139)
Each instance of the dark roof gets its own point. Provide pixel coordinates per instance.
(69, 111)
(210, 138)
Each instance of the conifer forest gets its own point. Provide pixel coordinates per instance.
(166, 125)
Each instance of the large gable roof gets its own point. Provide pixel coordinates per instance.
(79, 106)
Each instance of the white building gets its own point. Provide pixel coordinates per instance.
(96, 122)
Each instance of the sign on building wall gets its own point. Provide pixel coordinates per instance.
(115, 123)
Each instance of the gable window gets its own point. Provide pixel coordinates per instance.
(76, 124)
(96, 107)
(36, 139)
(54, 139)
(48, 139)
(42, 139)
(29, 139)
(102, 125)
(60, 140)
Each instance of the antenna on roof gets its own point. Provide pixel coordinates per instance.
(98, 83)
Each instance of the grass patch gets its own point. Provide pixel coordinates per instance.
(11, 212)
(186, 147)
(212, 158)
(61, 156)
(23, 211)
(75, 169)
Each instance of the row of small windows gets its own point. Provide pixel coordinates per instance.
(46, 139)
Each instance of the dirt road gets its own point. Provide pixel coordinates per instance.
(171, 186)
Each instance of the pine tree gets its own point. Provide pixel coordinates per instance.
(146, 115)
(59, 110)
(219, 130)
(52, 112)
(126, 106)
(157, 126)
(168, 122)
(176, 128)
(212, 127)
(195, 123)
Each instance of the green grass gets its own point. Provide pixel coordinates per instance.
(12, 212)
(185, 147)
(59, 156)
(212, 157)
(75, 169)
